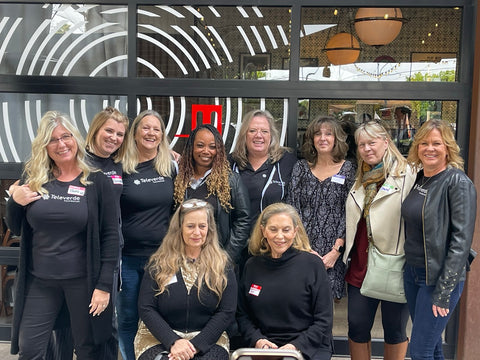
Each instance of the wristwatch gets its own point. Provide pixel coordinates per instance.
(340, 248)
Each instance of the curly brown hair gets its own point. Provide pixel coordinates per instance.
(217, 182)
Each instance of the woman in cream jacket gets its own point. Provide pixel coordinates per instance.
(373, 215)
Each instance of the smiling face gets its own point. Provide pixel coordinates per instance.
(109, 138)
(194, 232)
(258, 136)
(371, 150)
(324, 140)
(148, 134)
(204, 149)
(280, 233)
(432, 152)
(62, 148)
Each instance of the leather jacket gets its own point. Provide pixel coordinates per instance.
(449, 212)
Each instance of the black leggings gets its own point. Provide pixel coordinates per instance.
(43, 303)
(216, 352)
(361, 315)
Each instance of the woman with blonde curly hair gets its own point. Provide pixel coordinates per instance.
(285, 299)
(439, 214)
(188, 295)
(69, 246)
(204, 173)
(146, 205)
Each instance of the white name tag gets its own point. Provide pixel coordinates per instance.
(387, 187)
(173, 280)
(76, 190)
(339, 179)
(117, 179)
(255, 290)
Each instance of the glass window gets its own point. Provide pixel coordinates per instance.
(213, 42)
(22, 113)
(380, 44)
(63, 40)
(179, 113)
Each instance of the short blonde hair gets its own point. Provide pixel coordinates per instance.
(98, 121)
(446, 132)
(258, 245)
(393, 161)
(275, 151)
(39, 168)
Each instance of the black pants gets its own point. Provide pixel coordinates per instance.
(361, 315)
(43, 303)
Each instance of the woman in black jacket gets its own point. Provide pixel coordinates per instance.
(439, 215)
(189, 292)
(204, 173)
(69, 246)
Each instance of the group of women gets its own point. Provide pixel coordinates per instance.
(179, 231)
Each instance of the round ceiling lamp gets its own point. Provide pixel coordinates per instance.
(343, 48)
(378, 26)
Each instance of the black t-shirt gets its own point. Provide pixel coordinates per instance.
(146, 205)
(412, 213)
(59, 224)
(110, 168)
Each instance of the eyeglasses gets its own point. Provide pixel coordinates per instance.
(64, 138)
(194, 204)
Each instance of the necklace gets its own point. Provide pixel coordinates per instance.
(425, 180)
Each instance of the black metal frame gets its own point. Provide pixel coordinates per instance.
(293, 90)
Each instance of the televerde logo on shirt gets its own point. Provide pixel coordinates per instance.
(67, 199)
(155, 180)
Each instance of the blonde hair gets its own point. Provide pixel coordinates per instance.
(275, 151)
(446, 132)
(170, 256)
(258, 245)
(163, 159)
(340, 147)
(40, 167)
(393, 161)
(98, 121)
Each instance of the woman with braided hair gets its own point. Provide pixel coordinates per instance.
(204, 173)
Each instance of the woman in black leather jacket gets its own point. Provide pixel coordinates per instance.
(439, 218)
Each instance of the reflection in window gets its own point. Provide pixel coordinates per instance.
(63, 40)
(426, 48)
(213, 42)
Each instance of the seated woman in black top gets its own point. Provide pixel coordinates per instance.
(188, 294)
(285, 299)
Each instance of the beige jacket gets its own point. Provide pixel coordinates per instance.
(385, 213)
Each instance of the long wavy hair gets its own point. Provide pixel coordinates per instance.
(275, 151)
(453, 150)
(40, 167)
(163, 160)
(393, 161)
(217, 182)
(169, 257)
(258, 245)
(98, 121)
(340, 146)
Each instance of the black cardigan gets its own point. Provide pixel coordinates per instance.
(175, 309)
(102, 252)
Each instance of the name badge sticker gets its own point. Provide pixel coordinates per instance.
(339, 179)
(76, 190)
(387, 187)
(173, 280)
(255, 290)
(117, 179)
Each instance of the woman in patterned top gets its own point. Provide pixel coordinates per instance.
(318, 189)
